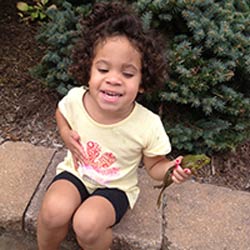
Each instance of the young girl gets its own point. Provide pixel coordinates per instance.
(106, 131)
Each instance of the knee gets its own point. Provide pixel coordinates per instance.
(53, 214)
(86, 229)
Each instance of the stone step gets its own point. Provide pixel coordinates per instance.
(22, 166)
(193, 216)
(140, 229)
(201, 216)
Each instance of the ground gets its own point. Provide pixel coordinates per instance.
(27, 107)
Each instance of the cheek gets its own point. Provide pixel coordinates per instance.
(134, 89)
(90, 76)
(94, 77)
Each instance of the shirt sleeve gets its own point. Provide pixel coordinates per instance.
(70, 103)
(158, 142)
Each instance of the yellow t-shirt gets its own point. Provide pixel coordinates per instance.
(112, 153)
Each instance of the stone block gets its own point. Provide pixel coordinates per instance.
(141, 228)
(30, 218)
(22, 166)
(202, 216)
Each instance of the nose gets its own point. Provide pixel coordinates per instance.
(113, 79)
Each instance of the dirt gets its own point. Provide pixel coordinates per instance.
(27, 107)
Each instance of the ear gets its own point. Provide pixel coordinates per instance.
(141, 90)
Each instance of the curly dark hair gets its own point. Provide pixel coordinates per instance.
(109, 19)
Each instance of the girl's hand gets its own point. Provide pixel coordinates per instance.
(179, 174)
(71, 138)
(72, 141)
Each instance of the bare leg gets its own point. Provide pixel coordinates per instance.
(92, 223)
(59, 204)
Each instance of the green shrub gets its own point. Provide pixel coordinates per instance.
(59, 35)
(205, 104)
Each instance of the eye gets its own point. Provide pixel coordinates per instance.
(103, 71)
(128, 74)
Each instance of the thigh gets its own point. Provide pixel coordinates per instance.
(105, 205)
(117, 198)
(61, 201)
(84, 194)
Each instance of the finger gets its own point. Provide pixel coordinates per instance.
(78, 155)
(178, 160)
(79, 147)
(75, 162)
(187, 171)
(75, 147)
(175, 162)
(181, 174)
(175, 180)
(176, 177)
(75, 135)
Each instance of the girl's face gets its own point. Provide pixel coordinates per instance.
(114, 78)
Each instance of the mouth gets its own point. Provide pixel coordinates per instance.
(110, 96)
(111, 93)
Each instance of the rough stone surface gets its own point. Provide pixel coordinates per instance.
(17, 241)
(193, 216)
(22, 165)
(201, 216)
(30, 219)
(141, 228)
(31, 214)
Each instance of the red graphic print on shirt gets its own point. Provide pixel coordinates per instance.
(98, 165)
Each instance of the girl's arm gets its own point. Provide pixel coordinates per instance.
(70, 137)
(158, 166)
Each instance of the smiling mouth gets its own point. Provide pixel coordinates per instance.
(111, 94)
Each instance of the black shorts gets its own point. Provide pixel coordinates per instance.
(117, 197)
